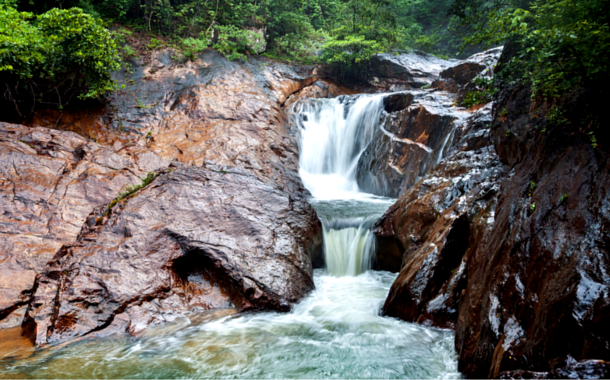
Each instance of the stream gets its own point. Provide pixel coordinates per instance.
(335, 332)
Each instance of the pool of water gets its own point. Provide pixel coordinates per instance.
(335, 332)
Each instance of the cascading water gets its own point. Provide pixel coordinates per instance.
(334, 133)
(335, 332)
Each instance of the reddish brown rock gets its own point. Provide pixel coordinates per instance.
(195, 239)
(192, 112)
(415, 135)
(538, 286)
(49, 182)
(209, 109)
(318, 90)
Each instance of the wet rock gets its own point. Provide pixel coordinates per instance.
(416, 133)
(197, 238)
(429, 233)
(49, 182)
(458, 78)
(531, 287)
(585, 369)
(538, 286)
(318, 90)
(392, 72)
(211, 109)
(184, 112)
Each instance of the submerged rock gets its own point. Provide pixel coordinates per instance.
(195, 239)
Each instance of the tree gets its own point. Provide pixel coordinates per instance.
(50, 58)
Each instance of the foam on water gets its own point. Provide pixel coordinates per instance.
(336, 332)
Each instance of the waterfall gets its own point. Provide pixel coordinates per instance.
(334, 134)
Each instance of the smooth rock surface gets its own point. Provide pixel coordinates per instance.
(185, 112)
(209, 109)
(195, 239)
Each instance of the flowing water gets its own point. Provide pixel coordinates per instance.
(335, 332)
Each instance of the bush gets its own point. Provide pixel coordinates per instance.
(53, 57)
(350, 53)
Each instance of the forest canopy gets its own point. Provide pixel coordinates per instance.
(65, 46)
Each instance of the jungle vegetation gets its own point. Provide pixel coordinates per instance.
(55, 50)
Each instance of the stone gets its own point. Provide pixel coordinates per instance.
(195, 239)
(50, 181)
(397, 72)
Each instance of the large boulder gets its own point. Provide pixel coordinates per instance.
(511, 250)
(429, 231)
(537, 294)
(189, 113)
(50, 181)
(197, 238)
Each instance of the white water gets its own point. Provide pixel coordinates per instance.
(335, 133)
(336, 332)
(332, 142)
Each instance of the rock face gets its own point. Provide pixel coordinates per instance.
(391, 72)
(195, 239)
(538, 286)
(458, 78)
(419, 130)
(50, 181)
(210, 109)
(434, 227)
(201, 232)
(413, 138)
(511, 250)
(585, 369)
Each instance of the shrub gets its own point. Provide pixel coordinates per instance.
(350, 53)
(65, 53)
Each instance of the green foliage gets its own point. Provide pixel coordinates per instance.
(349, 53)
(562, 43)
(54, 56)
(484, 93)
(130, 189)
(474, 98)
